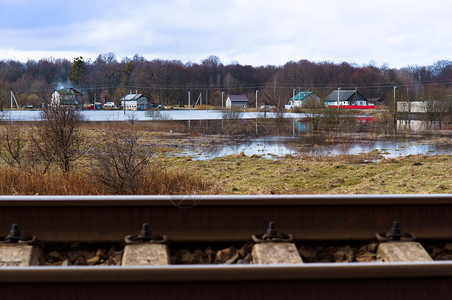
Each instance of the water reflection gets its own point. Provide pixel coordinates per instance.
(276, 137)
(273, 147)
(119, 115)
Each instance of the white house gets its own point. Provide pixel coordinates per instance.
(68, 96)
(348, 99)
(426, 106)
(236, 101)
(134, 102)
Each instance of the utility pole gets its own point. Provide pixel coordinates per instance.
(13, 97)
(189, 99)
(338, 103)
(395, 108)
(124, 104)
(94, 108)
(222, 100)
(256, 110)
(256, 98)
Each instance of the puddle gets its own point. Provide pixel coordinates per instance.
(274, 147)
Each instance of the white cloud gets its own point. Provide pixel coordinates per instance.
(251, 32)
(21, 55)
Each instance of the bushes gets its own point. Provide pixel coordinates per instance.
(14, 181)
(232, 118)
(119, 161)
(117, 164)
(58, 137)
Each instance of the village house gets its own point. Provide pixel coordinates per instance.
(424, 106)
(347, 99)
(236, 101)
(134, 102)
(304, 99)
(68, 96)
(378, 102)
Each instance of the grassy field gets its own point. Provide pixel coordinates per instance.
(347, 174)
(236, 174)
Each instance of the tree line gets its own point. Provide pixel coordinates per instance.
(168, 82)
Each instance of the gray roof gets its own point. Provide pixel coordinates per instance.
(238, 98)
(345, 95)
(69, 91)
(130, 97)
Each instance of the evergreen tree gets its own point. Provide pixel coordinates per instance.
(77, 74)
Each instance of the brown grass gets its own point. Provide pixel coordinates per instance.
(17, 182)
(176, 182)
(239, 174)
(159, 179)
(14, 181)
(141, 126)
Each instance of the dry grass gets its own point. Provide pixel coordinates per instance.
(253, 175)
(93, 129)
(158, 178)
(238, 174)
(177, 182)
(14, 181)
(350, 174)
(17, 182)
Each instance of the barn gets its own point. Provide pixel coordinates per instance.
(236, 101)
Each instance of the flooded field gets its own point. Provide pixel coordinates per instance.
(268, 139)
(119, 115)
(208, 135)
(273, 147)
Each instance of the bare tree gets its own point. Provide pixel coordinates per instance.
(14, 143)
(233, 118)
(4, 94)
(58, 138)
(316, 113)
(120, 161)
(17, 150)
(436, 105)
(277, 98)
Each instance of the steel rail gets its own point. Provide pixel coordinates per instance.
(226, 218)
(238, 200)
(430, 280)
(188, 273)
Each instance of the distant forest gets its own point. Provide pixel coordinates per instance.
(168, 82)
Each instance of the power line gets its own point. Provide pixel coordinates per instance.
(250, 86)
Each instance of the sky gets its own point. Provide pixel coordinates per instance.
(394, 33)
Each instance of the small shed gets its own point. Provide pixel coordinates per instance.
(68, 96)
(304, 99)
(236, 101)
(134, 102)
(379, 102)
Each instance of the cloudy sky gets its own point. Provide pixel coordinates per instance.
(256, 32)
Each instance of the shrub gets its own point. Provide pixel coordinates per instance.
(119, 161)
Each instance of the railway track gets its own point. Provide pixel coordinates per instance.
(193, 219)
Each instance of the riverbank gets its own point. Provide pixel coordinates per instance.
(343, 174)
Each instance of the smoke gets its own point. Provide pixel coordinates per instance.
(63, 85)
